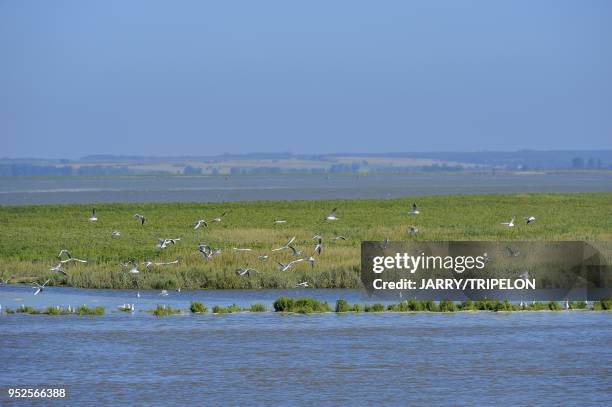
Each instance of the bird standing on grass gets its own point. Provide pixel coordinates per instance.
(141, 218)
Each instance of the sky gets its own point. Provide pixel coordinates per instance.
(171, 78)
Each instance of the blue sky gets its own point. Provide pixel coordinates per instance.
(200, 78)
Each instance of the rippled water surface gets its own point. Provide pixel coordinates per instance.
(530, 358)
(19, 191)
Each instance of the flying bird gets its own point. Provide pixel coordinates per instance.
(339, 238)
(285, 267)
(332, 215)
(414, 210)
(241, 249)
(115, 233)
(219, 218)
(163, 243)
(148, 264)
(200, 223)
(58, 268)
(530, 219)
(295, 252)
(93, 217)
(241, 272)
(303, 284)
(509, 224)
(141, 218)
(39, 288)
(279, 221)
(311, 260)
(319, 247)
(285, 246)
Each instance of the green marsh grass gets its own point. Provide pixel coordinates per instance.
(164, 311)
(197, 307)
(33, 235)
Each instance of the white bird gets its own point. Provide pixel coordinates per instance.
(295, 252)
(332, 215)
(71, 259)
(339, 238)
(285, 246)
(414, 210)
(58, 268)
(263, 257)
(93, 217)
(509, 224)
(319, 247)
(138, 294)
(567, 306)
(164, 293)
(133, 269)
(39, 288)
(219, 218)
(311, 260)
(115, 233)
(241, 272)
(148, 264)
(241, 249)
(279, 221)
(200, 223)
(530, 219)
(413, 231)
(285, 267)
(207, 252)
(303, 284)
(141, 218)
(62, 252)
(163, 243)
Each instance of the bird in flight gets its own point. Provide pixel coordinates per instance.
(414, 210)
(115, 233)
(40, 288)
(332, 215)
(163, 243)
(242, 272)
(311, 260)
(530, 219)
(285, 246)
(148, 264)
(303, 284)
(93, 216)
(58, 268)
(200, 223)
(339, 238)
(509, 224)
(285, 267)
(219, 218)
(279, 221)
(141, 218)
(319, 247)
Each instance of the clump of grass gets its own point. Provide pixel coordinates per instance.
(164, 311)
(197, 307)
(55, 311)
(25, 309)
(258, 308)
(447, 306)
(343, 306)
(217, 309)
(606, 304)
(374, 308)
(85, 310)
(305, 305)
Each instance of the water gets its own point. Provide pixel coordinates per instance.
(20, 191)
(261, 359)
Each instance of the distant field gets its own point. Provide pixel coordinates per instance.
(32, 236)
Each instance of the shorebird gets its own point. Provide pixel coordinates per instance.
(509, 224)
(39, 288)
(295, 252)
(311, 260)
(339, 238)
(115, 233)
(414, 210)
(241, 272)
(279, 221)
(93, 216)
(241, 249)
(207, 252)
(332, 215)
(200, 223)
(512, 252)
(219, 218)
(285, 246)
(413, 231)
(530, 219)
(319, 247)
(164, 293)
(163, 243)
(303, 284)
(263, 257)
(285, 267)
(141, 218)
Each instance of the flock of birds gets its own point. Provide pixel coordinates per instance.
(208, 252)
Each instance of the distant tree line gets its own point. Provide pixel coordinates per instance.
(34, 170)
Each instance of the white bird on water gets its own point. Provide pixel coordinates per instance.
(93, 216)
(40, 288)
(285, 267)
(164, 293)
(141, 218)
(285, 246)
(332, 215)
(414, 210)
(509, 224)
